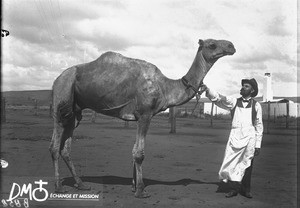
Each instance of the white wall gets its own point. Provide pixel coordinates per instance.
(217, 110)
(280, 109)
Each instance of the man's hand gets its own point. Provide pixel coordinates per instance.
(203, 88)
(257, 151)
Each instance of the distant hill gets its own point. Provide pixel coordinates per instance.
(27, 98)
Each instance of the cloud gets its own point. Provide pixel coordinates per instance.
(14, 78)
(298, 52)
(257, 56)
(233, 86)
(48, 36)
(278, 27)
(249, 66)
(28, 55)
(284, 77)
(48, 22)
(228, 4)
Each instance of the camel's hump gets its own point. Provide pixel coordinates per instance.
(117, 58)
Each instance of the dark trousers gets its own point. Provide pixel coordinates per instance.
(245, 184)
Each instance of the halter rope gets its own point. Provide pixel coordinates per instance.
(198, 92)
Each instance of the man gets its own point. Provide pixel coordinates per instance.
(245, 137)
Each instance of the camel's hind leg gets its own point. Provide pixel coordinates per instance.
(65, 153)
(61, 146)
(55, 149)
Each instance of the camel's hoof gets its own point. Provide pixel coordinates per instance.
(60, 189)
(81, 186)
(141, 194)
(133, 188)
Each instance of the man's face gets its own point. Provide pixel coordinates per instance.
(246, 90)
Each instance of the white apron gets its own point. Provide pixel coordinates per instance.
(240, 146)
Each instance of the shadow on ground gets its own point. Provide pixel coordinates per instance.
(117, 180)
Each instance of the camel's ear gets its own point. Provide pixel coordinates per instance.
(201, 44)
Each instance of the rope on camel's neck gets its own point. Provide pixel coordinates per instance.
(198, 92)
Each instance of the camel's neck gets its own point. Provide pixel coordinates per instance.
(178, 92)
(197, 71)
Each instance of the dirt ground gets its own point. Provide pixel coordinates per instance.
(180, 170)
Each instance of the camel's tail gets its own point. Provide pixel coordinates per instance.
(64, 111)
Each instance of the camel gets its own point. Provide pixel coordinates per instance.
(126, 88)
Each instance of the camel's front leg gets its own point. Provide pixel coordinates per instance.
(139, 155)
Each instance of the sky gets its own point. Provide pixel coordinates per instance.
(48, 36)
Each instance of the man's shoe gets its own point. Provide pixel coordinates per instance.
(231, 193)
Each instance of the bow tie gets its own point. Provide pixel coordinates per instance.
(246, 101)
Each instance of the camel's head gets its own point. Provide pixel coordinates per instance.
(212, 49)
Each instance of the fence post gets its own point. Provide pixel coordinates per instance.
(287, 115)
(211, 114)
(172, 118)
(269, 112)
(126, 124)
(3, 110)
(35, 107)
(94, 115)
(50, 110)
(274, 115)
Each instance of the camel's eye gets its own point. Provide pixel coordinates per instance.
(212, 46)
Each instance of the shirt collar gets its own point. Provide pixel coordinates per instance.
(248, 99)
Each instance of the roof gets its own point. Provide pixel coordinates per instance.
(260, 99)
(280, 100)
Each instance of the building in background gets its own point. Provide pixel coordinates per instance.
(279, 106)
(268, 91)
